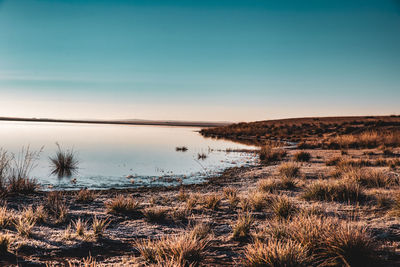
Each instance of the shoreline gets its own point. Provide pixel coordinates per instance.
(122, 122)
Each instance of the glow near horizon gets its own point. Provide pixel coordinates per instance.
(199, 60)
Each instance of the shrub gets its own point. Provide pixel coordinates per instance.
(241, 229)
(122, 205)
(289, 170)
(302, 156)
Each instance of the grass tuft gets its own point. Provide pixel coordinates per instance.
(64, 163)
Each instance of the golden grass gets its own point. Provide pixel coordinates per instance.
(231, 194)
(183, 250)
(80, 227)
(5, 242)
(283, 207)
(85, 196)
(24, 226)
(276, 253)
(289, 170)
(6, 217)
(99, 226)
(302, 156)
(241, 228)
(212, 201)
(268, 154)
(122, 205)
(256, 201)
(328, 190)
(39, 214)
(155, 214)
(329, 241)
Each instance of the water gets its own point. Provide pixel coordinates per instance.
(120, 156)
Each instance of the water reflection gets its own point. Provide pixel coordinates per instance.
(109, 154)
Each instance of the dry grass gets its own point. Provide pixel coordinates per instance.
(122, 205)
(80, 227)
(268, 154)
(6, 217)
(371, 139)
(272, 185)
(57, 207)
(283, 208)
(39, 214)
(20, 168)
(5, 242)
(241, 228)
(256, 201)
(85, 196)
(231, 194)
(183, 250)
(329, 241)
(99, 226)
(276, 253)
(155, 214)
(64, 163)
(302, 156)
(369, 178)
(24, 226)
(289, 170)
(212, 201)
(328, 190)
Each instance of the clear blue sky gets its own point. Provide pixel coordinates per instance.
(221, 60)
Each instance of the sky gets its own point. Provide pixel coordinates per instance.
(205, 60)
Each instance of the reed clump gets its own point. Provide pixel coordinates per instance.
(64, 163)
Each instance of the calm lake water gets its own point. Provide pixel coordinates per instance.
(109, 153)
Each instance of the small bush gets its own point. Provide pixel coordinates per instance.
(241, 229)
(302, 156)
